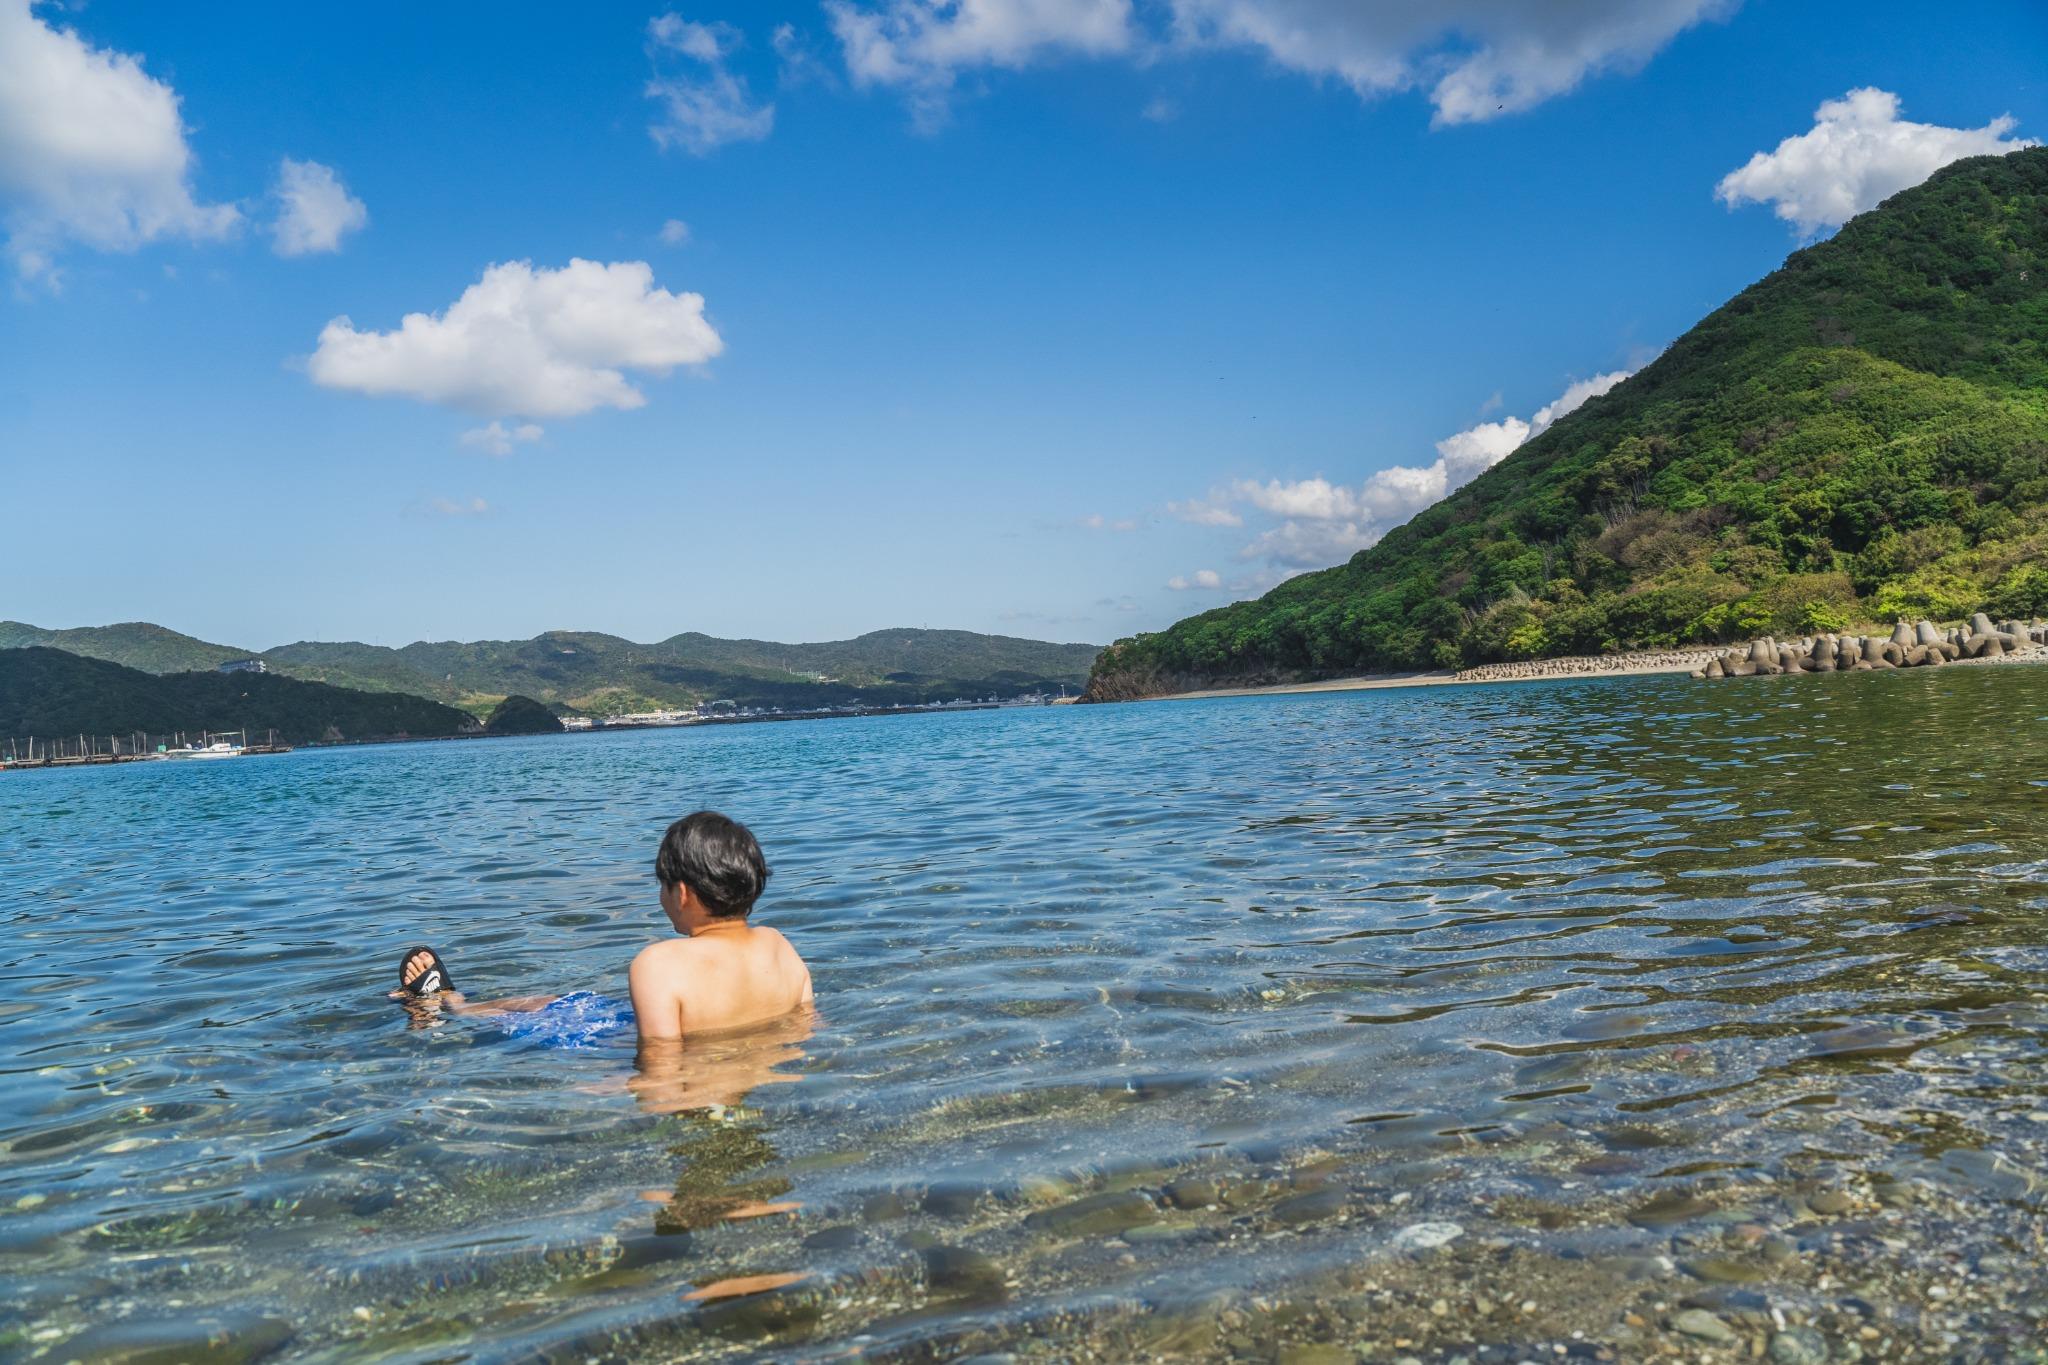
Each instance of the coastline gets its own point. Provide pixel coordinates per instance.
(1635, 663)
(373, 741)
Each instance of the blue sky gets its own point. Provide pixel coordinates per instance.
(1013, 312)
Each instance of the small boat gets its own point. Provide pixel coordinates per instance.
(218, 748)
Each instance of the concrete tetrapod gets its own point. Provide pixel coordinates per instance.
(1919, 645)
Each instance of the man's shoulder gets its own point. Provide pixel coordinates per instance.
(684, 954)
(778, 942)
(662, 956)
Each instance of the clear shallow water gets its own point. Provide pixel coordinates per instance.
(1135, 1022)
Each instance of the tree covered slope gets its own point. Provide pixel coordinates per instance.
(517, 715)
(133, 644)
(1861, 435)
(606, 674)
(52, 694)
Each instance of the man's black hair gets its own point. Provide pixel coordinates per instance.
(717, 859)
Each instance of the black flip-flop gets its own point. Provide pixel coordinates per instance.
(436, 977)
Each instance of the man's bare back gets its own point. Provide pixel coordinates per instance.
(725, 975)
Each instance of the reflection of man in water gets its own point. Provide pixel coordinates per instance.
(672, 1076)
(706, 1081)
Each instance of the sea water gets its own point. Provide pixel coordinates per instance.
(1500, 1018)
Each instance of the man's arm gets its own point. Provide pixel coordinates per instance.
(654, 1002)
(507, 1004)
(454, 1002)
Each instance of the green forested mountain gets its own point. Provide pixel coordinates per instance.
(517, 715)
(605, 674)
(52, 694)
(1861, 435)
(136, 644)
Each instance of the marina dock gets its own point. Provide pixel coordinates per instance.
(81, 751)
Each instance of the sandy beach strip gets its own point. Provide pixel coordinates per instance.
(1588, 666)
(1637, 663)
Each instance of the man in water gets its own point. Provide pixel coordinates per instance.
(722, 974)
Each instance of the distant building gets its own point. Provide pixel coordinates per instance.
(244, 666)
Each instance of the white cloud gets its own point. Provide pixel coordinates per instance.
(705, 106)
(675, 232)
(1858, 153)
(1395, 494)
(1476, 449)
(536, 343)
(1315, 499)
(1159, 109)
(1574, 397)
(799, 65)
(701, 42)
(1205, 512)
(1312, 544)
(1249, 584)
(498, 439)
(1323, 523)
(459, 507)
(316, 209)
(92, 149)
(1097, 522)
(919, 45)
(1478, 59)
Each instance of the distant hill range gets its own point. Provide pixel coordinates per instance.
(54, 695)
(606, 675)
(1860, 436)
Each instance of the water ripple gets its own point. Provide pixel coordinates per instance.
(1361, 938)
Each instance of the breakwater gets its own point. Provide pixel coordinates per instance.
(1921, 645)
(1591, 665)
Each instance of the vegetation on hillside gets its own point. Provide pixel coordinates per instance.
(135, 644)
(1859, 436)
(49, 693)
(607, 675)
(518, 715)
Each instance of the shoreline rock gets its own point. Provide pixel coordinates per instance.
(1921, 645)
